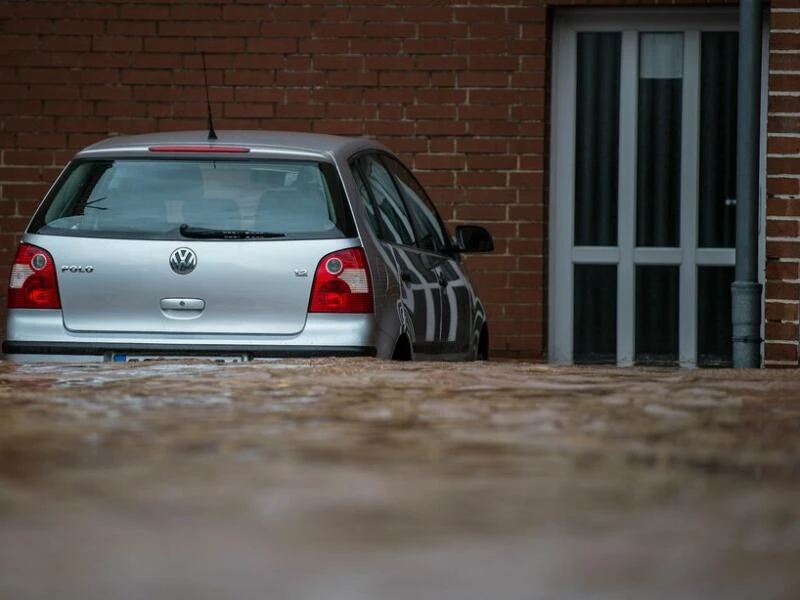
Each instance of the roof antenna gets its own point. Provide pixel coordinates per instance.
(212, 135)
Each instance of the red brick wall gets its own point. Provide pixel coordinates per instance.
(459, 91)
(782, 306)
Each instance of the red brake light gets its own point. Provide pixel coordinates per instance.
(209, 148)
(33, 282)
(342, 284)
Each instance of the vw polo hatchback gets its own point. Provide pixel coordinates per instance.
(249, 245)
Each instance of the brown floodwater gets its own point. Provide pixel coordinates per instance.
(364, 479)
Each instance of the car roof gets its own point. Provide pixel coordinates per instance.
(273, 143)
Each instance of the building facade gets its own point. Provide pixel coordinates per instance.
(596, 140)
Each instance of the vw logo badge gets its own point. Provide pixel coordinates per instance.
(183, 260)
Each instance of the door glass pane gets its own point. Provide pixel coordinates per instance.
(597, 138)
(656, 315)
(714, 326)
(659, 139)
(718, 77)
(394, 222)
(595, 316)
(431, 234)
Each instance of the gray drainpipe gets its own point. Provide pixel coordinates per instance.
(746, 290)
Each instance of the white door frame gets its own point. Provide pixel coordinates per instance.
(563, 253)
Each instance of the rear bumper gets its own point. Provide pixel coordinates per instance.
(25, 352)
(39, 335)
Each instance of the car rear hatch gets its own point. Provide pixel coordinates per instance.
(181, 244)
(251, 287)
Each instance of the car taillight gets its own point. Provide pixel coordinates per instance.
(342, 284)
(33, 280)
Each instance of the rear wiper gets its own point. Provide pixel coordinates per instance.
(91, 203)
(222, 234)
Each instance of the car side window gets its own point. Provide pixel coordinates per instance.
(395, 223)
(431, 233)
(366, 200)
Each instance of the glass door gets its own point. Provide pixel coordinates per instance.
(642, 187)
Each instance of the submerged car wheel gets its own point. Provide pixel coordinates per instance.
(402, 350)
(482, 352)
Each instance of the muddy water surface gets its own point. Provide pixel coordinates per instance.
(362, 479)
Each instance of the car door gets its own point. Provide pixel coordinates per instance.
(417, 268)
(457, 296)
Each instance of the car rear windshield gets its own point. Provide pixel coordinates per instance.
(166, 198)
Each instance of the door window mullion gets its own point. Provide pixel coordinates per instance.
(687, 321)
(598, 255)
(627, 199)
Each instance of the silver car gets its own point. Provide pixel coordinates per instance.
(251, 245)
